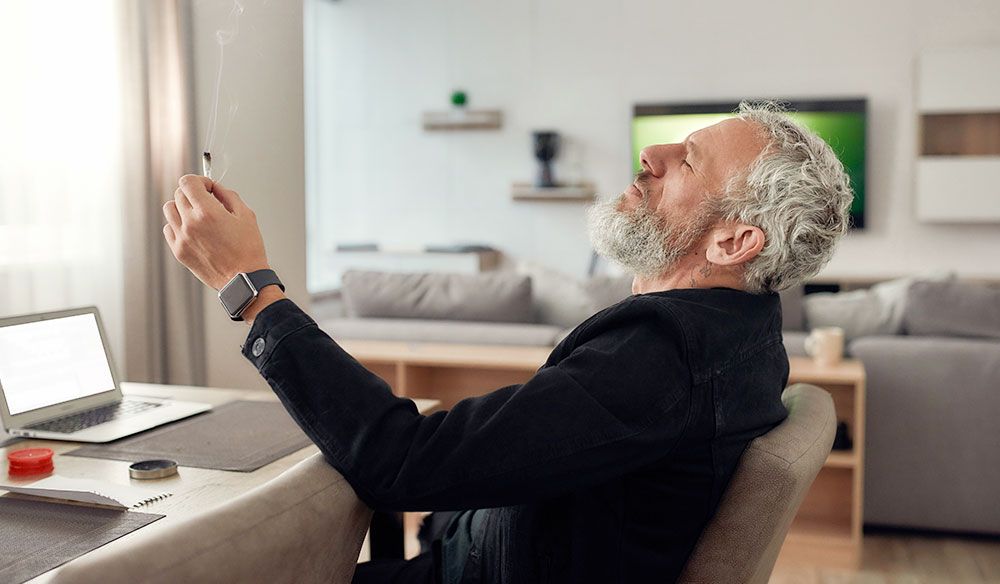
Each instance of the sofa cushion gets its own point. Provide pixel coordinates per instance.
(795, 343)
(875, 311)
(792, 308)
(957, 309)
(443, 331)
(604, 291)
(558, 298)
(486, 297)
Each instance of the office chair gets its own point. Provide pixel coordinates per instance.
(304, 526)
(741, 542)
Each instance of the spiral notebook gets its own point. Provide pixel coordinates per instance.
(89, 491)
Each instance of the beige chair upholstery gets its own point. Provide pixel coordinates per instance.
(306, 525)
(741, 543)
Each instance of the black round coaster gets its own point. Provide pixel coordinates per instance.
(152, 469)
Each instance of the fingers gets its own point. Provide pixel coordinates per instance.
(196, 190)
(170, 212)
(173, 226)
(169, 235)
(199, 191)
(229, 199)
(181, 201)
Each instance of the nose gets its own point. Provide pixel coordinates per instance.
(656, 158)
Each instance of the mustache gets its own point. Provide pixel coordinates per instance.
(642, 180)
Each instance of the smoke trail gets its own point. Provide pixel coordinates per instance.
(234, 107)
(223, 37)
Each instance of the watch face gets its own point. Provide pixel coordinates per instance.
(237, 295)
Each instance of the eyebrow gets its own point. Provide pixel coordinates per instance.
(692, 148)
(693, 155)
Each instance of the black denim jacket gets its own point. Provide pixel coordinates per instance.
(604, 467)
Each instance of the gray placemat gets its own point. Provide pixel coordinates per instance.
(240, 435)
(38, 536)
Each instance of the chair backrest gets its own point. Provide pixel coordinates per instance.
(306, 525)
(741, 542)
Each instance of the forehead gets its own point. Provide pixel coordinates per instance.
(727, 147)
(732, 136)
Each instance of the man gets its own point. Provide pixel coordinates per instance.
(607, 464)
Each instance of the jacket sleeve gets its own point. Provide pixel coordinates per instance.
(616, 402)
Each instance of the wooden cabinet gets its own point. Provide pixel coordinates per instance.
(449, 372)
(827, 528)
(958, 171)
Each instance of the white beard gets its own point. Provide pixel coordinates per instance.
(641, 240)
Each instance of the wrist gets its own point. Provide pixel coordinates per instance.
(246, 294)
(265, 297)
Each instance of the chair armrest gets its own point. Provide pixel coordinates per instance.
(306, 525)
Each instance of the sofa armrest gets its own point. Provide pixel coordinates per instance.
(306, 525)
(931, 433)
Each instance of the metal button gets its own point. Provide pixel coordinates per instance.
(258, 347)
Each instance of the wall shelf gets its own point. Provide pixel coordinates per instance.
(583, 192)
(461, 119)
(971, 134)
(958, 169)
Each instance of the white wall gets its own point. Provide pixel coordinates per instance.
(261, 153)
(578, 66)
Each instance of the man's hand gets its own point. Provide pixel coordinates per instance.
(212, 231)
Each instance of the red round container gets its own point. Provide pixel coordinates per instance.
(30, 461)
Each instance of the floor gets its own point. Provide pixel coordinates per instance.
(903, 558)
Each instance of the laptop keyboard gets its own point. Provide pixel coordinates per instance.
(79, 421)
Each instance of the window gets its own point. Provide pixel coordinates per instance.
(60, 157)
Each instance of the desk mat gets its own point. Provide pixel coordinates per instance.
(38, 536)
(240, 435)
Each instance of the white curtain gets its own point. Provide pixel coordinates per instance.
(60, 163)
(163, 314)
(95, 129)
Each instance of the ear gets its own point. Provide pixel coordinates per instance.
(732, 244)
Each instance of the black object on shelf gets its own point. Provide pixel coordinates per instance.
(842, 441)
(546, 148)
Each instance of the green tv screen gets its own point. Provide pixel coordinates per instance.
(840, 122)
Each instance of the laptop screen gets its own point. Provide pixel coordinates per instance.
(52, 361)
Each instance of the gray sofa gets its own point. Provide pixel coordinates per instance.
(931, 351)
(530, 306)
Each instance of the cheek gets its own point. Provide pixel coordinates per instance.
(689, 193)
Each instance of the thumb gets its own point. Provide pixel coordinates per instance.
(228, 197)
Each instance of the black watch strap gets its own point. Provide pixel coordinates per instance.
(262, 278)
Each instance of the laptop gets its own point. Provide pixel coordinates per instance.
(57, 382)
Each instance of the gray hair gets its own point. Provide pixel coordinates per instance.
(796, 192)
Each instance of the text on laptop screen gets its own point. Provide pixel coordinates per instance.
(52, 361)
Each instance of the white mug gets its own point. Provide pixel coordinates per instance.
(826, 345)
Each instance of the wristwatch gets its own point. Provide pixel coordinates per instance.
(244, 288)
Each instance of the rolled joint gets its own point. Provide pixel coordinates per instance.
(206, 164)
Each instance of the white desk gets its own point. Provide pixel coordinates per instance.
(194, 489)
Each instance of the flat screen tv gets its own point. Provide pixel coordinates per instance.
(841, 122)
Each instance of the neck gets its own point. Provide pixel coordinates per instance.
(691, 271)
